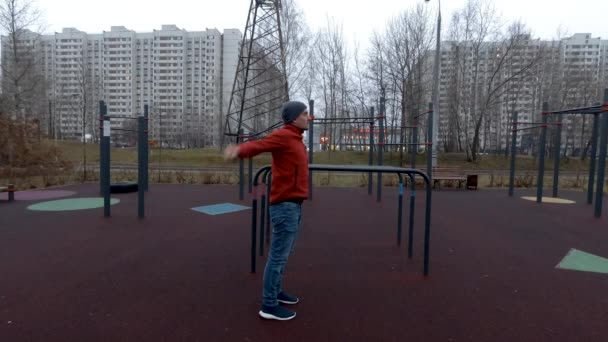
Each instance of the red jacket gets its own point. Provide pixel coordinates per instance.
(289, 162)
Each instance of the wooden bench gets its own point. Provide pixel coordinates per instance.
(454, 174)
(11, 191)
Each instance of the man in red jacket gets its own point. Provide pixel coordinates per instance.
(289, 189)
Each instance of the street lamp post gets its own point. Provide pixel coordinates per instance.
(50, 130)
(435, 94)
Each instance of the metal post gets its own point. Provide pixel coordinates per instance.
(427, 227)
(11, 192)
(594, 134)
(101, 159)
(160, 141)
(434, 133)
(601, 164)
(254, 219)
(141, 125)
(311, 139)
(556, 154)
(371, 152)
(513, 148)
(414, 140)
(429, 152)
(250, 178)
(51, 123)
(541, 154)
(399, 213)
(146, 149)
(410, 243)
(105, 177)
(380, 147)
(241, 173)
(262, 221)
(268, 189)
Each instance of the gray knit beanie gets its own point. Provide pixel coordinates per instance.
(291, 110)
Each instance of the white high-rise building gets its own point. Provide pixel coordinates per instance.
(573, 72)
(184, 77)
(231, 45)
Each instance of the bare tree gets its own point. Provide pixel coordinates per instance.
(310, 71)
(21, 75)
(296, 43)
(489, 67)
(513, 60)
(331, 54)
(471, 28)
(408, 39)
(400, 64)
(23, 91)
(569, 79)
(360, 87)
(377, 64)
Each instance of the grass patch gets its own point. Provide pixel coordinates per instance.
(72, 150)
(210, 157)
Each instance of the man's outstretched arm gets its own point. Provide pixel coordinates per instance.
(250, 149)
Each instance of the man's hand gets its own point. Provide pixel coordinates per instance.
(231, 152)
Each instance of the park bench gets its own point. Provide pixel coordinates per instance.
(453, 174)
(11, 191)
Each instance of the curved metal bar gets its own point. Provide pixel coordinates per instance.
(356, 168)
(582, 110)
(367, 168)
(123, 117)
(265, 178)
(258, 173)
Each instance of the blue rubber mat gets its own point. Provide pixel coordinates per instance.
(218, 209)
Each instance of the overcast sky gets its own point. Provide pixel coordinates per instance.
(359, 17)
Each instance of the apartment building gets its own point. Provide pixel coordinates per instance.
(571, 73)
(584, 70)
(185, 77)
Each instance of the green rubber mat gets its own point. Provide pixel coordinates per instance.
(71, 204)
(580, 261)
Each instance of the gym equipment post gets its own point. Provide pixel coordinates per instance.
(142, 150)
(596, 111)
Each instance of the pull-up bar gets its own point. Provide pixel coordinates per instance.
(538, 123)
(599, 129)
(381, 143)
(104, 157)
(344, 120)
(597, 109)
(430, 111)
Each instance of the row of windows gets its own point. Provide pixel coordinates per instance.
(116, 46)
(582, 46)
(120, 52)
(582, 53)
(118, 104)
(128, 56)
(116, 65)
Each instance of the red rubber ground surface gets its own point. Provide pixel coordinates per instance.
(179, 275)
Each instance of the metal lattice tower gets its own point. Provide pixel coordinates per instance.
(260, 83)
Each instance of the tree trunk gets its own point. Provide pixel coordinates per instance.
(475, 145)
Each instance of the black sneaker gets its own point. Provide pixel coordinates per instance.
(276, 312)
(286, 298)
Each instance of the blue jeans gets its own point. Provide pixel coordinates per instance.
(285, 218)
